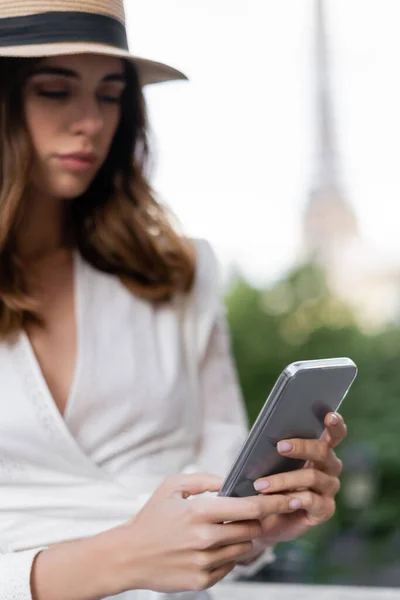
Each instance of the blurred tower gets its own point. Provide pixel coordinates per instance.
(365, 279)
(329, 222)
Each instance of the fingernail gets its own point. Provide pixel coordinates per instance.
(334, 420)
(295, 504)
(285, 447)
(261, 485)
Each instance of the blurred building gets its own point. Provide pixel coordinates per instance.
(369, 282)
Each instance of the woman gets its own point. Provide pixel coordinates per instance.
(114, 362)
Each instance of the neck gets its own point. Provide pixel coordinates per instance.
(42, 231)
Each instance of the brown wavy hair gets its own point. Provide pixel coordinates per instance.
(117, 225)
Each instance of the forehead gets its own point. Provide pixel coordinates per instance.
(85, 65)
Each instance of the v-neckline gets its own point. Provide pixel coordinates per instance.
(37, 392)
(35, 387)
(34, 363)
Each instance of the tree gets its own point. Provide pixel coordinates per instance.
(298, 318)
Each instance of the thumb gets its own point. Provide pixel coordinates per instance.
(183, 486)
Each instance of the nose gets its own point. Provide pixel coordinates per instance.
(88, 119)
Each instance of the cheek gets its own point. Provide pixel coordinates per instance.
(111, 123)
(41, 127)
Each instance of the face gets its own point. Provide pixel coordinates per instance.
(72, 109)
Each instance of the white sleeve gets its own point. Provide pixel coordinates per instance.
(15, 574)
(224, 421)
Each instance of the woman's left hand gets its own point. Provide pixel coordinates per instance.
(314, 487)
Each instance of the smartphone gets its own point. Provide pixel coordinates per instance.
(303, 395)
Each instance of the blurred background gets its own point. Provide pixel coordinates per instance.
(282, 150)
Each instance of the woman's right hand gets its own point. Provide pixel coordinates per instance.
(175, 544)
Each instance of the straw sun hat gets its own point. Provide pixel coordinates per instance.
(40, 28)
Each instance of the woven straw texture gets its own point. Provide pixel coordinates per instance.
(149, 71)
(22, 8)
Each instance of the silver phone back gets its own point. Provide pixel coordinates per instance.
(296, 408)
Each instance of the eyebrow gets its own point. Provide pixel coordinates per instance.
(119, 77)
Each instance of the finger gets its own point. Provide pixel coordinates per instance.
(220, 573)
(336, 429)
(318, 508)
(222, 510)
(332, 466)
(204, 579)
(236, 533)
(312, 479)
(212, 559)
(211, 536)
(314, 450)
(183, 486)
(317, 453)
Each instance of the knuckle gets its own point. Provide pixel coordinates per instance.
(336, 485)
(223, 572)
(284, 482)
(339, 465)
(201, 560)
(196, 510)
(248, 531)
(314, 477)
(255, 530)
(282, 504)
(309, 499)
(239, 550)
(330, 508)
(219, 574)
(204, 538)
(201, 582)
(255, 508)
(190, 512)
(324, 450)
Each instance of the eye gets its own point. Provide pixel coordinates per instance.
(109, 99)
(52, 94)
(111, 93)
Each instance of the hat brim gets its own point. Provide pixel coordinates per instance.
(149, 71)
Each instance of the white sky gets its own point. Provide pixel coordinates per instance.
(235, 145)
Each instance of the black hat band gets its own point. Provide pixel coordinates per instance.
(62, 27)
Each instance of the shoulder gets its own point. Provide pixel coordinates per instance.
(208, 277)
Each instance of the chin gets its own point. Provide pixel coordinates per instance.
(71, 189)
(71, 193)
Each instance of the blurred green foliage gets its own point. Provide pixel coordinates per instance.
(298, 318)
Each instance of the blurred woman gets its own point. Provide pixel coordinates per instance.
(117, 385)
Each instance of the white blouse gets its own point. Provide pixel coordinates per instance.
(154, 393)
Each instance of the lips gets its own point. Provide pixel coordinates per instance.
(78, 161)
